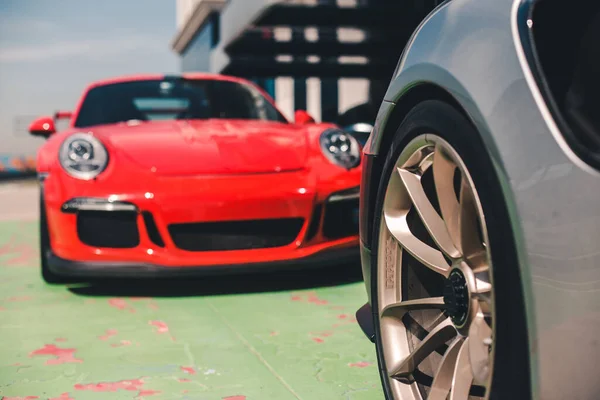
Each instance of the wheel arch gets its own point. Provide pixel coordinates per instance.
(391, 118)
(402, 100)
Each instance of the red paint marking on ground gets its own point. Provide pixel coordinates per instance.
(182, 380)
(348, 320)
(122, 343)
(153, 306)
(317, 340)
(322, 334)
(16, 365)
(131, 385)
(21, 398)
(19, 260)
(18, 298)
(274, 333)
(120, 304)
(342, 316)
(189, 370)
(140, 298)
(235, 398)
(117, 303)
(161, 327)
(184, 391)
(64, 396)
(25, 252)
(148, 393)
(62, 356)
(109, 333)
(2, 309)
(361, 364)
(7, 247)
(60, 339)
(310, 297)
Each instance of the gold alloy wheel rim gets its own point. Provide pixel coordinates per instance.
(457, 343)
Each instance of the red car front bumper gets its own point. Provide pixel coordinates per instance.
(178, 223)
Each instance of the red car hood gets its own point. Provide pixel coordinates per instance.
(209, 146)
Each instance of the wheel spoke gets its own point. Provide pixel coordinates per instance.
(483, 290)
(480, 340)
(463, 376)
(431, 219)
(443, 177)
(442, 381)
(432, 258)
(397, 310)
(483, 286)
(472, 247)
(439, 335)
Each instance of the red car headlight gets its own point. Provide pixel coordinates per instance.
(83, 156)
(340, 148)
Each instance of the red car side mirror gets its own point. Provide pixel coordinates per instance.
(43, 126)
(301, 117)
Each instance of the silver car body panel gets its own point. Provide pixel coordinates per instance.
(472, 49)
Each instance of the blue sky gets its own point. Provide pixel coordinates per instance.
(50, 50)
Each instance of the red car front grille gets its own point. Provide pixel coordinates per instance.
(236, 235)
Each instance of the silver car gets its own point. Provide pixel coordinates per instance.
(480, 210)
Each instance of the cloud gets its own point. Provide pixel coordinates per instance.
(90, 48)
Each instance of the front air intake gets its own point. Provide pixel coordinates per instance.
(236, 235)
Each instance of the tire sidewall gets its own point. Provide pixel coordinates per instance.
(511, 364)
(47, 274)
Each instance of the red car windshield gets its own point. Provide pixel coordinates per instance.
(174, 99)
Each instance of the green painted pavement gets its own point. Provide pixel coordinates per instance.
(280, 336)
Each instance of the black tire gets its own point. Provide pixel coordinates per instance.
(511, 376)
(47, 274)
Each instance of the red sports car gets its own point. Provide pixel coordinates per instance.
(191, 174)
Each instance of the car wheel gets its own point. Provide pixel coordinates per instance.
(47, 275)
(447, 301)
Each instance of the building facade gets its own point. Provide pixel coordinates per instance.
(225, 36)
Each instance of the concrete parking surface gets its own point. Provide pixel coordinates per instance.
(279, 336)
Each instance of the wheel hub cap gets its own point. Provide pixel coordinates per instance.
(456, 297)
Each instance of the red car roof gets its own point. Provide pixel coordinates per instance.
(190, 75)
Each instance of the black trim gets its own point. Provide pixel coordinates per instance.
(152, 229)
(368, 191)
(107, 269)
(364, 316)
(315, 223)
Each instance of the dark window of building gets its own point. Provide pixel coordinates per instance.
(300, 94)
(267, 84)
(329, 100)
(270, 87)
(215, 24)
